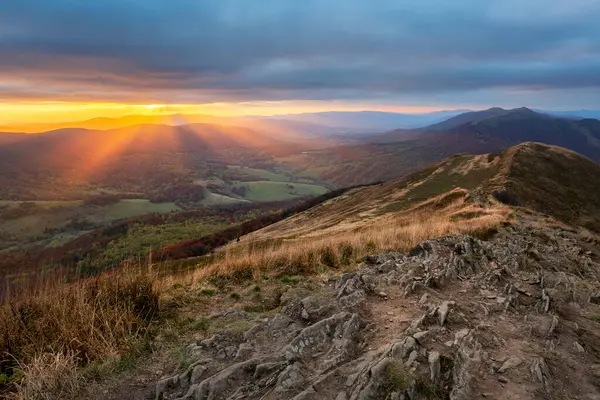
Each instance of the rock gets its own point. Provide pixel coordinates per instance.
(308, 394)
(339, 331)
(434, 367)
(163, 385)
(443, 311)
(578, 348)
(351, 290)
(411, 358)
(420, 336)
(197, 374)
(226, 352)
(422, 250)
(341, 396)
(353, 299)
(543, 304)
(553, 325)
(386, 267)
(510, 363)
(316, 346)
(371, 260)
(244, 351)
(213, 341)
(315, 308)
(291, 378)
(305, 314)
(268, 368)
(402, 349)
(224, 383)
(594, 298)
(541, 372)
(487, 294)
(458, 336)
(250, 333)
(467, 361)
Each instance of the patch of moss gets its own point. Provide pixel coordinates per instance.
(207, 292)
(290, 280)
(397, 378)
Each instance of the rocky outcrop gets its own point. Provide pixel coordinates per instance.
(455, 318)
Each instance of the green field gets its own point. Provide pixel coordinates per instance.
(43, 204)
(140, 240)
(259, 174)
(130, 208)
(275, 191)
(58, 214)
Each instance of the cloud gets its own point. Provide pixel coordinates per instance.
(237, 50)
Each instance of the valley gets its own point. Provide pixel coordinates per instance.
(288, 200)
(78, 181)
(207, 219)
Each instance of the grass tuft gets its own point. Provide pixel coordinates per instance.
(47, 335)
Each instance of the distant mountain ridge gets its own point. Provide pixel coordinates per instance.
(496, 128)
(329, 122)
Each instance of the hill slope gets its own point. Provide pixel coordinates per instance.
(73, 162)
(393, 154)
(426, 287)
(549, 179)
(508, 311)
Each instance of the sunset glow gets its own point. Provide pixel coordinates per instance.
(32, 117)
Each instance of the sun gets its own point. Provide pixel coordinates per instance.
(153, 106)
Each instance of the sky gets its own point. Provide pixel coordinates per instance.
(74, 59)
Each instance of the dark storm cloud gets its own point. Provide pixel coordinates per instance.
(231, 50)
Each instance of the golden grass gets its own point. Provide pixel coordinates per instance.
(47, 337)
(60, 327)
(309, 255)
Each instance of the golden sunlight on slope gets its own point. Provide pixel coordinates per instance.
(343, 230)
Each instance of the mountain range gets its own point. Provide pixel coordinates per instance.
(332, 122)
(136, 156)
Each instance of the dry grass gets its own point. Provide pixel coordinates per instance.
(48, 337)
(311, 255)
(49, 376)
(44, 337)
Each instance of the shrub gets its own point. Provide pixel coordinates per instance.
(346, 251)
(328, 257)
(506, 196)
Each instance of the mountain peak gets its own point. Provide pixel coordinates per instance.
(522, 110)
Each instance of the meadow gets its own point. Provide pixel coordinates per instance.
(263, 191)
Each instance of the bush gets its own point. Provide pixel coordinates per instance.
(506, 196)
(328, 257)
(346, 251)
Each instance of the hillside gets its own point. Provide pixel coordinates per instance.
(77, 162)
(496, 128)
(465, 278)
(142, 159)
(390, 155)
(544, 178)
